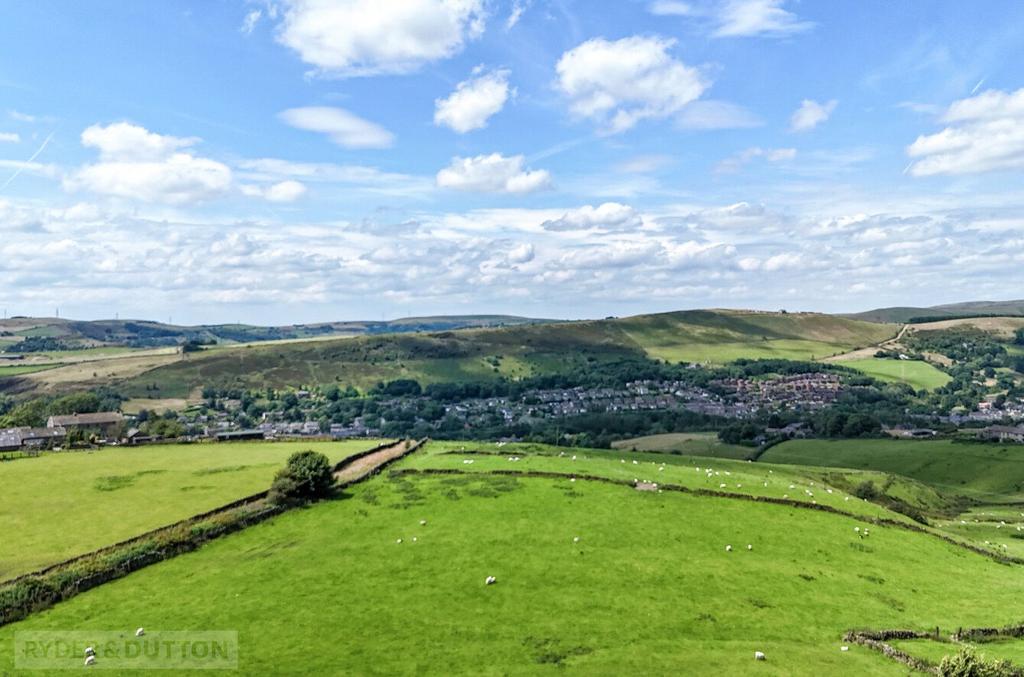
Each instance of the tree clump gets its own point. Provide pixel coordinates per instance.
(306, 477)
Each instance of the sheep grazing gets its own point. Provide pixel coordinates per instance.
(398, 541)
(758, 656)
(89, 651)
(750, 546)
(857, 529)
(423, 523)
(140, 632)
(728, 548)
(90, 660)
(844, 648)
(575, 539)
(490, 580)
(574, 458)
(721, 486)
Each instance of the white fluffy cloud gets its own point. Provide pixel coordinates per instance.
(623, 82)
(810, 114)
(342, 127)
(608, 216)
(748, 18)
(284, 191)
(473, 102)
(370, 37)
(9, 137)
(985, 133)
(493, 173)
(125, 141)
(138, 164)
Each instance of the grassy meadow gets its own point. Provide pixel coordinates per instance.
(685, 444)
(648, 588)
(64, 504)
(986, 472)
(915, 373)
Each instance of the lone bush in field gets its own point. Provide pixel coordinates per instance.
(866, 490)
(306, 477)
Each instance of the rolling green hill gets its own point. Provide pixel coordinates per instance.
(592, 577)
(689, 336)
(902, 314)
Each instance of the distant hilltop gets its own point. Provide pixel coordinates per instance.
(36, 334)
(902, 314)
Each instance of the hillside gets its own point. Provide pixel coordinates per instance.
(902, 314)
(480, 354)
(75, 334)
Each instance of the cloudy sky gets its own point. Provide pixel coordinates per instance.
(280, 161)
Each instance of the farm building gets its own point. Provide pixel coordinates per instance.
(13, 439)
(1003, 433)
(105, 422)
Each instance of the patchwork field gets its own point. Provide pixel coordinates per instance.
(915, 373)
(60, 505)
(648, 587)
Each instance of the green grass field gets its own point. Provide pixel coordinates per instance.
(686, 444)
(64, 504)
(648, 589)
(989, 473)
(19, 369)
(917, 374)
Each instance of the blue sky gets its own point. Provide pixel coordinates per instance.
(291, 161)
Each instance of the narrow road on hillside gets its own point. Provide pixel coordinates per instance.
(361, 467)
(865, 353)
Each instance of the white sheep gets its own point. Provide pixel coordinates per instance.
(90, 660)
(490, 580)
(844, 648)
(89, 651)
(758, 656)
(423, 523)
(574, 457)
(399, 541)
(728, 548)
(575, 539)
(750, 546)
(140, 632)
